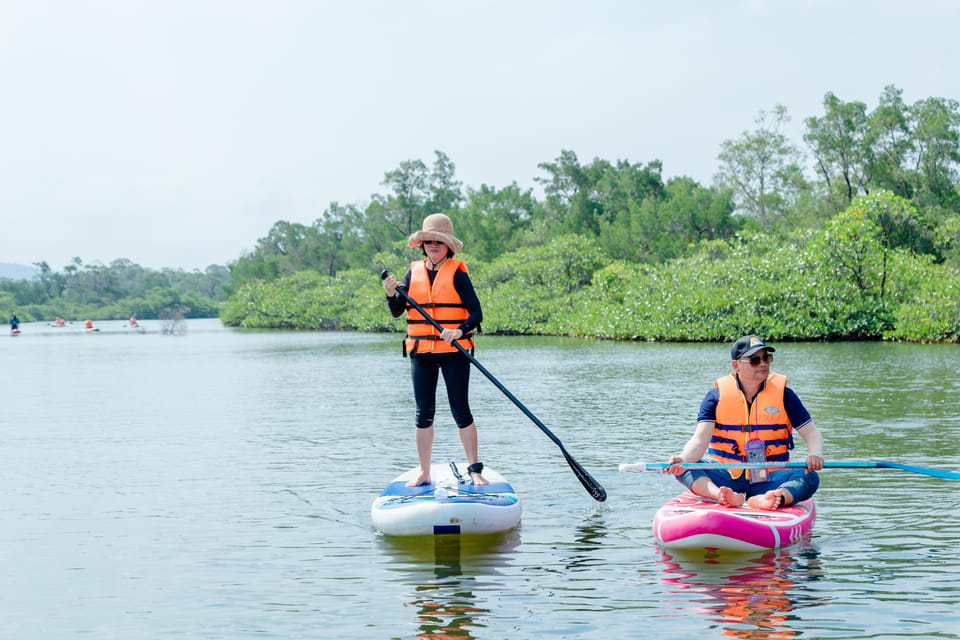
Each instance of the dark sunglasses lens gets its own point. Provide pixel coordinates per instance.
(756, 360)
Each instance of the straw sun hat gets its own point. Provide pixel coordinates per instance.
(436, 227)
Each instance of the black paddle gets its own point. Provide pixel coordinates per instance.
(592, 486)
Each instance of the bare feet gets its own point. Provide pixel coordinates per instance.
(478, 479)
(422, 479)
(769, 500)
(730, 498)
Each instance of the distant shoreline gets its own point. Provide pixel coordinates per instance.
(12, 271)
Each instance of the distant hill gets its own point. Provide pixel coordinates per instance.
(17, 271)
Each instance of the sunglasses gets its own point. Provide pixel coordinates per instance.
(756, 360)
(432, 242)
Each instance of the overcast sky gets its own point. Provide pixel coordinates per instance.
(174, 133)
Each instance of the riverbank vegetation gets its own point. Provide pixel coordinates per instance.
(855, 235)
(114, 292)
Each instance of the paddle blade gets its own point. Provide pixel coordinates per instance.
(927, 471)
(594, 488)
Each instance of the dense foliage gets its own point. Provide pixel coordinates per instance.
(847, 282)
(116, 291)
(863, 243)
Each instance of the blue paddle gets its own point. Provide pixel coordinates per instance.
(594, 488)
(936, 473)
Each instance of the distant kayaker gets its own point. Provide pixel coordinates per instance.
(14, 323)
(750, 415)
(441, 283)
(88, 324)
(133, 321)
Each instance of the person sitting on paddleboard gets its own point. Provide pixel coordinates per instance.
(750, 416)
(439, 283)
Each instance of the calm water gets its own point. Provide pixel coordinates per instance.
(218, 485)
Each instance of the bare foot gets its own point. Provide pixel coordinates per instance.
(769, 500)
(730, 498)
(478, 479)
(422, 479)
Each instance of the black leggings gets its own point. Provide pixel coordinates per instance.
(425, 369)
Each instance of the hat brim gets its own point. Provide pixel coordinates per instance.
(750, 352)
(416, 239)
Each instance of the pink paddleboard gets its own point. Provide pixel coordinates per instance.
(690, 522)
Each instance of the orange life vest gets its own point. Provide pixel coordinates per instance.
(766, 419)
(441, 301)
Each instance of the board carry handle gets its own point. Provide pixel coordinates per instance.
(456, 472)
(945, 474)
(594, 488)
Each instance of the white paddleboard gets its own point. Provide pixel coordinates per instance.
(448, 505)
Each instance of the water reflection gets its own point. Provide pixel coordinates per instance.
(750, 596)
(589, 540)
(446, 571)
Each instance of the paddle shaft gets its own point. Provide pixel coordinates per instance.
(594, 488)
(935, 473)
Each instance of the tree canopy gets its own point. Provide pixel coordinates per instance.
(839, 233)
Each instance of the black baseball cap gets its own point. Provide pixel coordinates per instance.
(747, 346)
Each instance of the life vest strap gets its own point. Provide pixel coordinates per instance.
(465, 336)
(440, 322)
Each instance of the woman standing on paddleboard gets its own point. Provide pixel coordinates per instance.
(750, 416)
(441, 285)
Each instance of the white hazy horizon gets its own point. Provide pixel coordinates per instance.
(175, 134)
